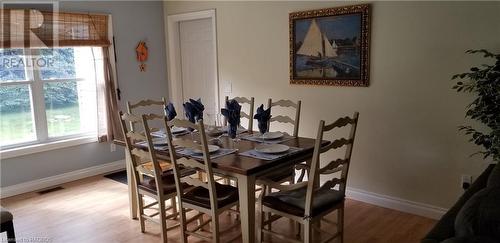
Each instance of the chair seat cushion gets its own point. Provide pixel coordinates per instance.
(168, 179)
(5, 215)
(199, 196)
(293, 202)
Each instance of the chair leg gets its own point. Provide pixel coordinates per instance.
(340, 223)
(298, 227)
(237, 216)
(9, 228)
(163, 220)
(140, 204)
(215, 228)
(183, 225)
(267, 190)
(308, 234)
(173, 203)
(260, 220)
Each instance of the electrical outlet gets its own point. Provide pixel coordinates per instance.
(466, 181)
(113, 147)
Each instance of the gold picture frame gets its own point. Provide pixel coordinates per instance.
(330, 46)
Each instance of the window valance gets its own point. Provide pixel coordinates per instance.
(29, 28)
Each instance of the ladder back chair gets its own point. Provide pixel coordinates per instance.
(251, 105)
(283, 118)
(287, 174)
(208, 197)
(134, 109)
(306, 202)
(157, 185)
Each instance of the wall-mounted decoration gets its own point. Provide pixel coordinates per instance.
(142, 55)
(330, 46)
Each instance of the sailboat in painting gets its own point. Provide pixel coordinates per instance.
(316, 44)
(318, 56)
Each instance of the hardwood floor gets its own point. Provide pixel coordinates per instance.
(96, 210)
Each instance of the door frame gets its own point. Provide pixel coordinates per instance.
(174, 55)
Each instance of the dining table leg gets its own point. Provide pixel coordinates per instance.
(246, 189)
(131, 187)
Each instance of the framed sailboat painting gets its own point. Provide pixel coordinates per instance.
(330, 46)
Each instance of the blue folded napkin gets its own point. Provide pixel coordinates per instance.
(190, 111)
(194, 110)
(263, 117)
(170, 111)
(199, 108)
(233, 116)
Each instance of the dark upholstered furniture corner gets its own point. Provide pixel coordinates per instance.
(7, 224)
(445, 227)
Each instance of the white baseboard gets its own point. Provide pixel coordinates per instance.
(39, 184)
(395, 203)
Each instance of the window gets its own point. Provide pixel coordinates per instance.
(48, 94)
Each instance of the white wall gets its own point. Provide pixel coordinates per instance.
(132, 21)
(407, 144)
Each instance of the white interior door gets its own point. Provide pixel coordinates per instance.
(198, 62)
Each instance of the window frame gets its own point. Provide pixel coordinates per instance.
(42, 141)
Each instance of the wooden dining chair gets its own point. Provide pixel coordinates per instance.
(156, 185)
(307, 202)
(288, 174)
(250, 103)
(145, 107)
(208, 197)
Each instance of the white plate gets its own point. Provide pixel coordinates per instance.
(160, 141)
(271, 148)
(176, 130)
(271, 135)
(211, 149)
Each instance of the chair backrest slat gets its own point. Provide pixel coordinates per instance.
(147, 102)
(141, 104)
(136, 136)
(282, 119)
(143, 155)
(336, 144)
(333, 166)
(286, 119)
(243, 100)
(339, 165)
(180, 162)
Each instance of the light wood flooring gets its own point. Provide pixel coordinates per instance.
(96, 210)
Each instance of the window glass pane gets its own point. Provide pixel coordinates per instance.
(12, 65)
(57, 63)
(16, 119)
(70, 108)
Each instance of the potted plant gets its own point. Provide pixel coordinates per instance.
(483, 81)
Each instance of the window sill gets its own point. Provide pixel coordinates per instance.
(42, 147)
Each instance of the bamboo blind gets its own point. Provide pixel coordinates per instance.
(26, 28)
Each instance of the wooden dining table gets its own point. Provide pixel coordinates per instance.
(245, 169)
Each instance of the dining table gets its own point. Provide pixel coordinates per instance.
(245, 169)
